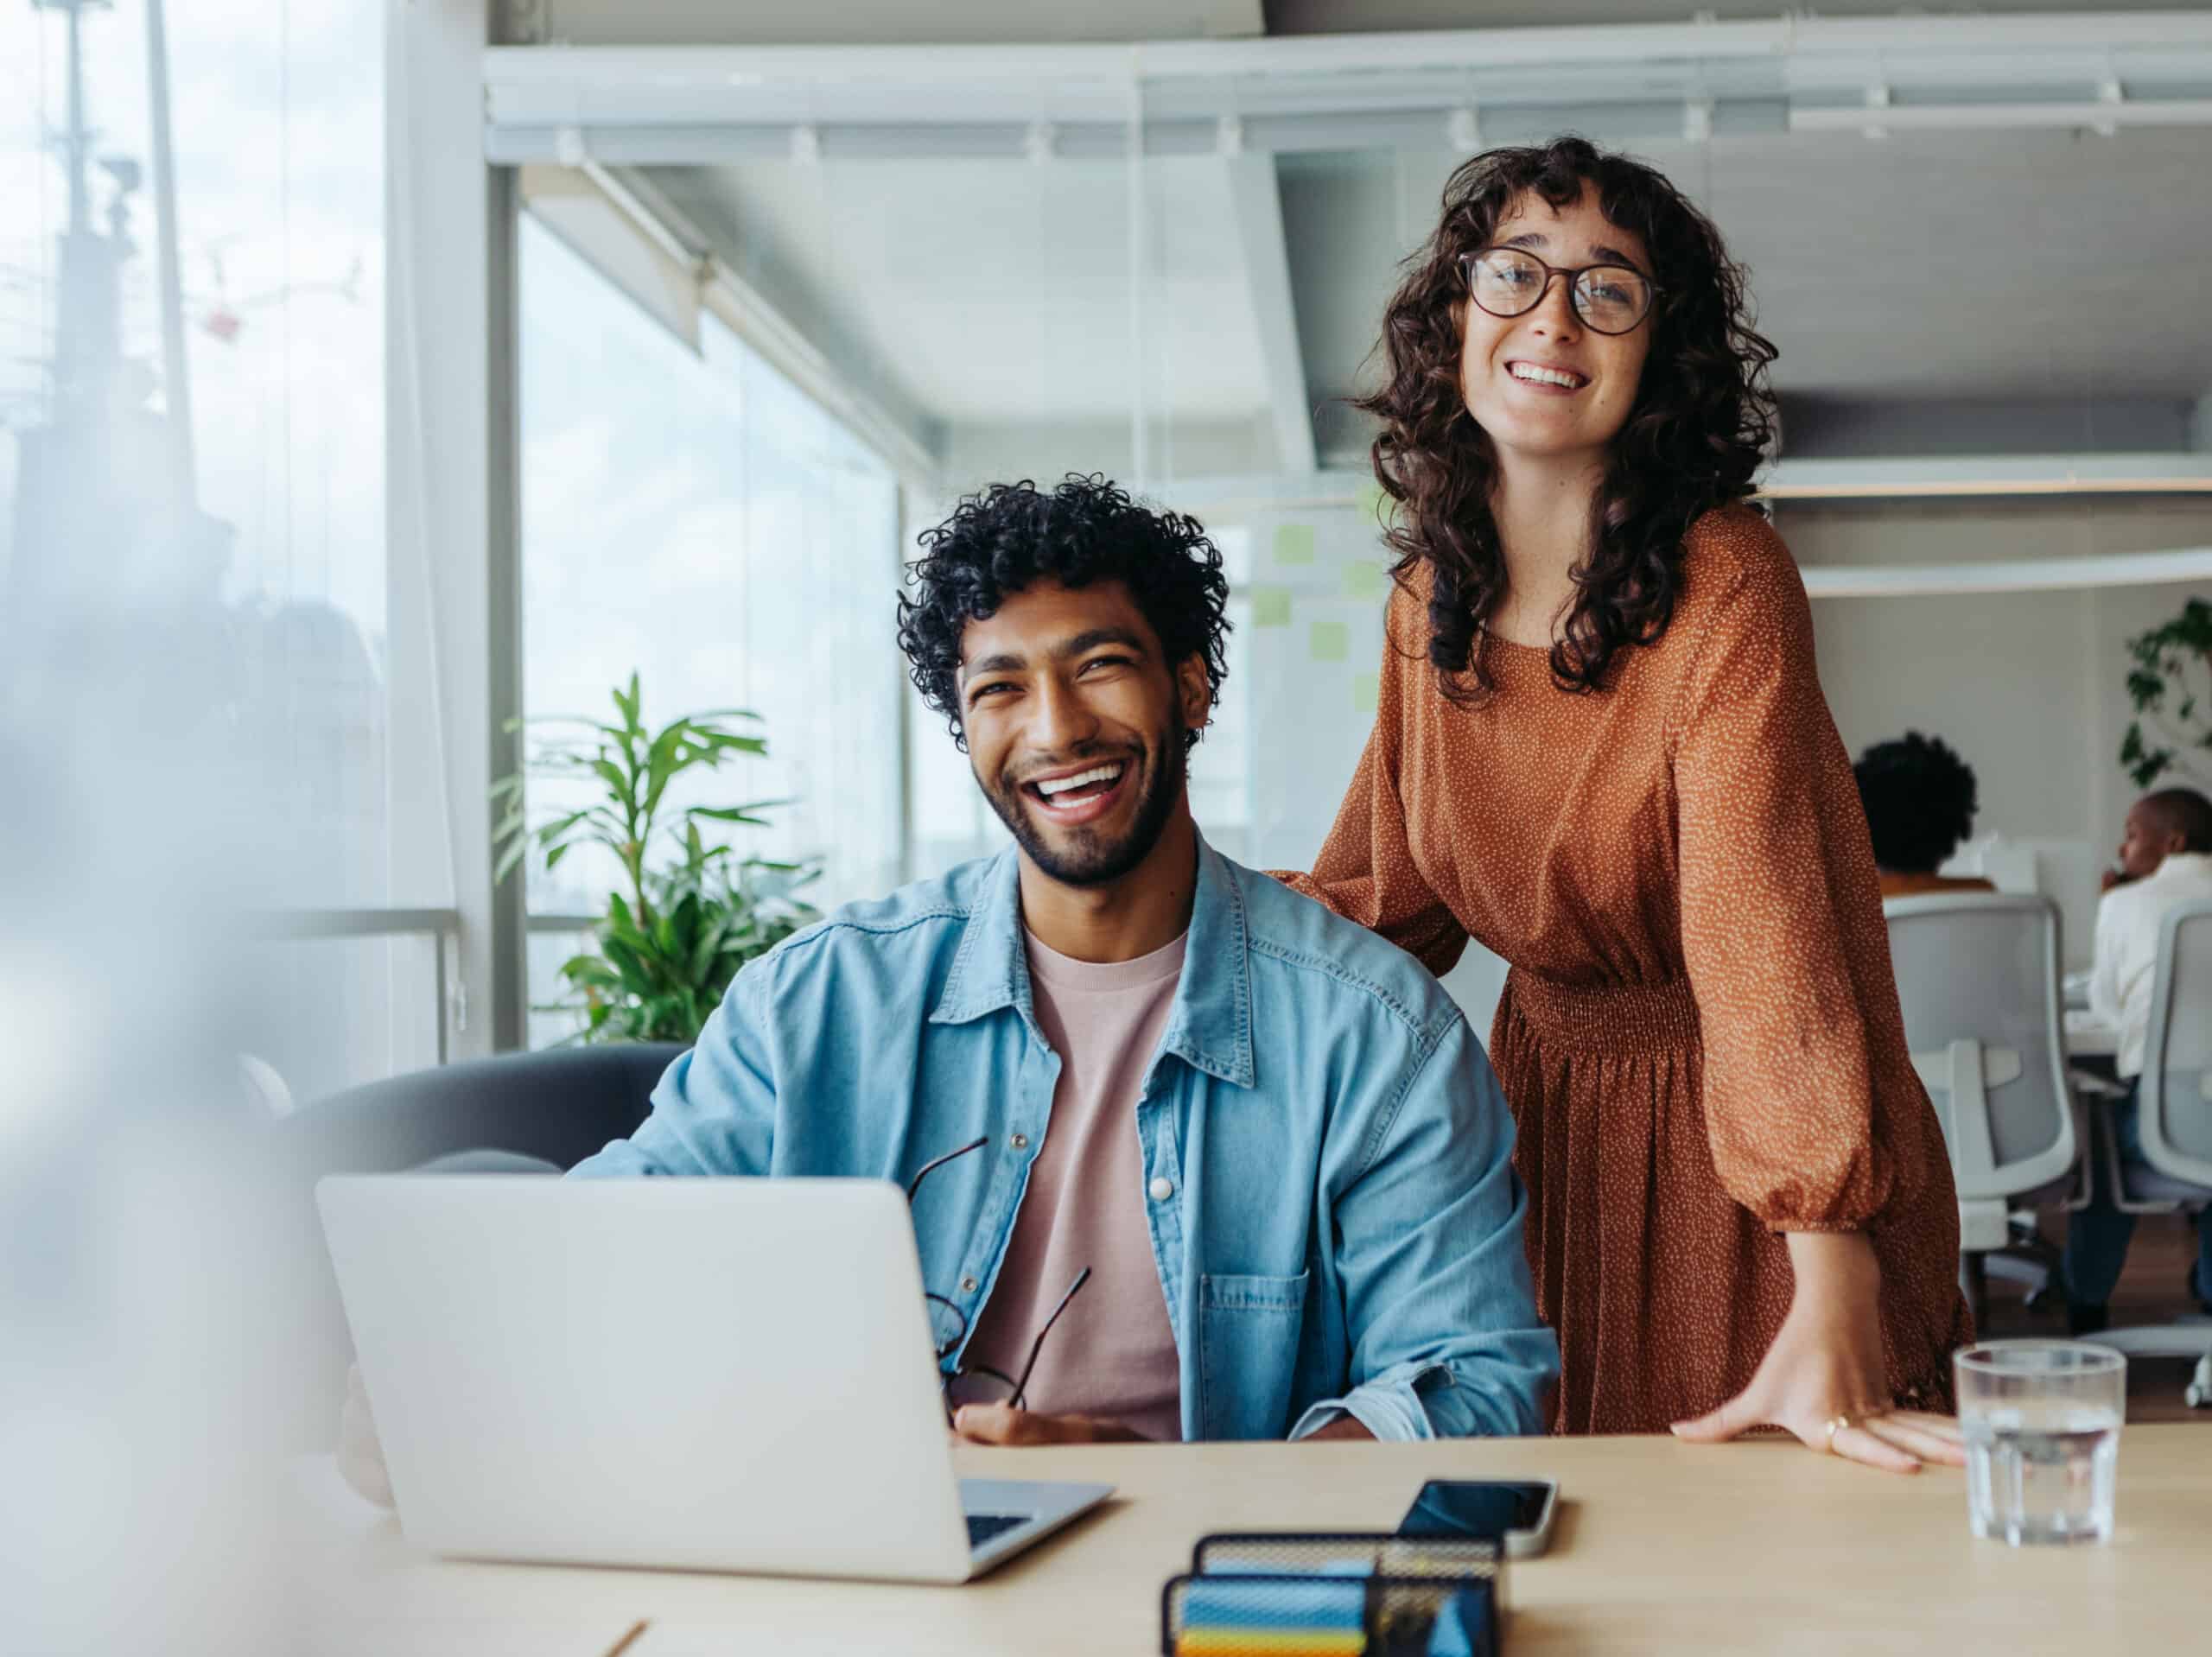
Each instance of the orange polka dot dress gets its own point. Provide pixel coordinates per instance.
(1700, 1036)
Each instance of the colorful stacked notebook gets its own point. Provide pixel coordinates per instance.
(1351, 1595)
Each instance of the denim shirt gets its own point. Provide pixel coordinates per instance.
(1328, 1181)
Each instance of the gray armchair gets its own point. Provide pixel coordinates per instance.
(2174, 1106)
(558, 1107)
(1978, 981)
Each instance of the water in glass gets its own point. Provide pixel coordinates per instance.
(2042, 1422)
(2042, 1474)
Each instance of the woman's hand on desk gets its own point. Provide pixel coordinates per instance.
(1826, 1365)
(360, 1457)
(1001, 1424)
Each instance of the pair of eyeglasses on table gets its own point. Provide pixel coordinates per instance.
(978, 1383)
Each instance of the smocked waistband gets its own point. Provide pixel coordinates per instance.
(1620, 1018)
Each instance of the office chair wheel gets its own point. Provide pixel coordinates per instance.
(2198, 1393)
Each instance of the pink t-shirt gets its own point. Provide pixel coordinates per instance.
(1113, 1352)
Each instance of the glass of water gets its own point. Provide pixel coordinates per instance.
(2042, 1423)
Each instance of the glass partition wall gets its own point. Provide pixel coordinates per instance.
(1167, 263)
(1169, 266)
(721, 493)
(207, 740)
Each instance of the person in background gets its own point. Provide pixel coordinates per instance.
(2166, 860)
(1919, 797)
(1601, 749)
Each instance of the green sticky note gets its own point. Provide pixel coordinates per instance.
(1365, 578)
(1293, 543)
(1366, 692)
(1271, 607)
(1329, 641)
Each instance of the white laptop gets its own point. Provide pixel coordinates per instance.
(725, 1374)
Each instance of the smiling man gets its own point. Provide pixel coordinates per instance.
(1243, 1159)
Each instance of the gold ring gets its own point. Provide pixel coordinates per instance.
(1836, 1424)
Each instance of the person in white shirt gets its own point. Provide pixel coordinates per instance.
(2166, 860)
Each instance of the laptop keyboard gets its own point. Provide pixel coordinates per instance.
(983, 1526)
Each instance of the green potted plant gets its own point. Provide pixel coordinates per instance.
(2170, 686)
(691, 912)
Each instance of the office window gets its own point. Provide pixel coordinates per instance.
(265, 508)
(192, 451)
(688, 515)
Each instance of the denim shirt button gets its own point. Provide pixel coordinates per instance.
(1161, 1188)
(966, 1285)
(1021, 1141)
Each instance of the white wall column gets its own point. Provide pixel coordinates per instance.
(455, 668)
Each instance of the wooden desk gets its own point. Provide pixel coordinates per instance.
(1659, 1547)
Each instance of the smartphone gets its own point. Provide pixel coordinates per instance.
(1518, 1514)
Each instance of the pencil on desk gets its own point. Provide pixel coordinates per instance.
(627, 1639)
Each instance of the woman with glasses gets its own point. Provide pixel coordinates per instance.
(1601, 748)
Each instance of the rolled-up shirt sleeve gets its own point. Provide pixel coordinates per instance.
(1440, 1314)
(714, 1109)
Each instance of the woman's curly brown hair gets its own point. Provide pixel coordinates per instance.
(1702, 417)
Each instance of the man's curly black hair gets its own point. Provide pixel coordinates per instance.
(1012, 535)
(1919, 801)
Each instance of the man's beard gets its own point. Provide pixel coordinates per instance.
(1086, 858)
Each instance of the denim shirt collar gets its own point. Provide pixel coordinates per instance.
(1210, 1025)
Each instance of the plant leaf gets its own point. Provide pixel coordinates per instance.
(516, 850)
(663, 956)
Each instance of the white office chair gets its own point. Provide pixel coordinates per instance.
(1977, 979)
(2174, 1113)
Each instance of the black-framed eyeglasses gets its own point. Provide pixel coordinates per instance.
(977, 1383)
(1512, 282)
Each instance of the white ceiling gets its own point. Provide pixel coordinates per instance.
(1989, 264)
(992, 291)
(1370, 16)
(885, 22)
(1920, 270)
(874, 23)
(1955, 266)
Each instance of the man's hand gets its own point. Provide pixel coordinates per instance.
(360, 1457)
(1001, 1424)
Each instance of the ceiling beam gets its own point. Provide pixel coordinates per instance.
(1699, 78)
(661, 277)
(875, 413)
(1957, 477)
(2105, 116)
(1258, 207)
(1341, 483)
(2011, 576)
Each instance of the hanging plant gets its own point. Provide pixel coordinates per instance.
(2171, 685)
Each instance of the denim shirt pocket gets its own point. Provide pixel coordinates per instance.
(1248, 1337)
